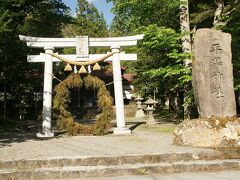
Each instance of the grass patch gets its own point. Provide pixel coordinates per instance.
(160, 128)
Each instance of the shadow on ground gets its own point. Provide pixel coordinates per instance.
(15, 132)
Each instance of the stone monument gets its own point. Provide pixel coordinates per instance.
(212, 80)
(212, 74)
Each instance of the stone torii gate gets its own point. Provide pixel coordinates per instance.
(82, 44)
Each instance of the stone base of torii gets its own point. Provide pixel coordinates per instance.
(81, 43)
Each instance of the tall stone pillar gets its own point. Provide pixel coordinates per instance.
(118, 92)
(212, 74)
(47, 95)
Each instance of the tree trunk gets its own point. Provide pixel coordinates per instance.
(186, 42)
(185, 29)
(180, 109)
(5, 90)
(171, 99)
(218, 14)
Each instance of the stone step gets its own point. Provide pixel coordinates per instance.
(114, 160)
(120, 170)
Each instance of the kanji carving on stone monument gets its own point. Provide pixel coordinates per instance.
(216, 71)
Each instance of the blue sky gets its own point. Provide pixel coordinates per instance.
(101, 5)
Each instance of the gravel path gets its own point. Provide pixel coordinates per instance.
(142, 141)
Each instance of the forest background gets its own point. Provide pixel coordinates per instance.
(160, 70)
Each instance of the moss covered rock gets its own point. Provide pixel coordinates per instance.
(209, 132)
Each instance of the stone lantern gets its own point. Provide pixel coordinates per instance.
(150, 108)
(22, 110)
(139, 112)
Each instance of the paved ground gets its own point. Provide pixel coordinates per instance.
(142, 141)
(224, 175)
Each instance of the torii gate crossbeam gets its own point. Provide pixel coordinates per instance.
(82, 44)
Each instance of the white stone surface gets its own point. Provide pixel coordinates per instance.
(45, 135)
(82, 48)
(37, 42)
(118, 89)
(122, 131)
(47, 93)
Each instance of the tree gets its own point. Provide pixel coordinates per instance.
(132, 14)
(34, 18)
(29, 17)
(46, 19)
(186, 48)
(216, 14)
(219, 14)
(185, 29)
(87, 22)
(161, 65)
(8, 21)
(3, 22)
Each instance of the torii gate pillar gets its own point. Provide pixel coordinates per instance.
(118, 92)
(47, 95)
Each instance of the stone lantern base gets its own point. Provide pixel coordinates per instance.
(213, 132)
(151, 121)
(140, 113)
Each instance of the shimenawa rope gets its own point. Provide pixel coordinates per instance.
(88, 62)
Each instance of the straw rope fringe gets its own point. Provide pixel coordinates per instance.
(80, 63)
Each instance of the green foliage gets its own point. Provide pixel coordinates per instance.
(64, 116)
(34, 18)
(161, 62)
(4, 23)
(160, 69)
(46, 19)
(88, 22)
(132, 14)
(233, 27)
(202, 12)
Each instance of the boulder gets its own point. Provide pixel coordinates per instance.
(209, 132)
